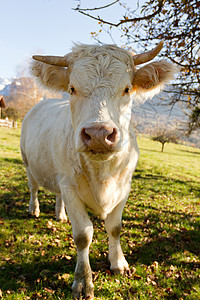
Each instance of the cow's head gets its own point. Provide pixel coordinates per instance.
(101, 81)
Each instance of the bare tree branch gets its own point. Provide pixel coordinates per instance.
(126, 20)
(96, 18)
(95, 8)
(184, 65)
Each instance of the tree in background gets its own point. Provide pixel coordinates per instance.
(164, 135)
(11, 113)
(24, 94)
(177, 22)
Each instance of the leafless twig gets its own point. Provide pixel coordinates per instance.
(126, 20)
(95, 8)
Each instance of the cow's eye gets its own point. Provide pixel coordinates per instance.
(126, 91)
(71, 90)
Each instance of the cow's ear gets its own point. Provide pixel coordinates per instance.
(153, 76)
(56, 78)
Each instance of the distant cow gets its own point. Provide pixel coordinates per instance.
(84, 149)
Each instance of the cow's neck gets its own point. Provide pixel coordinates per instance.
(104, 181)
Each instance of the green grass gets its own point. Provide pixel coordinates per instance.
(160, 234)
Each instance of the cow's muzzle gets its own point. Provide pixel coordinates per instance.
(99, 139)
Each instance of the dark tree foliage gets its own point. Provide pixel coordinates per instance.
(11, 113)
(177, 22)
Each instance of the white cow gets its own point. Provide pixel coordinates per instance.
(84, 149)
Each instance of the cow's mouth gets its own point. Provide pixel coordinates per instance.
(100, 152)
(99, 155)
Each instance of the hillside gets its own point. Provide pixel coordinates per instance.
(5, 86)
(155, 113)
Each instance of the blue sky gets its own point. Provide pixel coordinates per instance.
(45, 26)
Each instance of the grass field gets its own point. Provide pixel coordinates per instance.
(160, 235)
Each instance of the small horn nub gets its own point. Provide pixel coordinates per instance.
(147, 56)
(59, 61)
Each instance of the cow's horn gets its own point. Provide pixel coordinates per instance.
(60, 61)
(147, 56)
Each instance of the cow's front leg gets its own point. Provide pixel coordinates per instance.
(113, 228)
(82, 232)
(83, 285)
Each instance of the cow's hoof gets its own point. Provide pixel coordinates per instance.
(62, 219)
(120, 271)
(61, 215)
(83, 289)
(32, 213)
(120, 268)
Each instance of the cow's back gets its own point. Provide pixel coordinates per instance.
(45, 141)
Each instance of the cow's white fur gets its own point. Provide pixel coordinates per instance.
(54, 153)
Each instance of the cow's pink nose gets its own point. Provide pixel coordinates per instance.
(99, 138)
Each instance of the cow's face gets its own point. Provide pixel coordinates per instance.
(100, 104)
(100, 80)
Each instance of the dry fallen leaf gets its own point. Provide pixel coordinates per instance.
(49, 224)
(57, 241)
(48, 290)
(65, 276)
(108, 272)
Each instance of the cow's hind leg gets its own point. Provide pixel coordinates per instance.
(34, 207)
(60, 209)
(113, 228)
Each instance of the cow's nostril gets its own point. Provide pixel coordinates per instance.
(99, 138)
(112, 136)
(85, 136)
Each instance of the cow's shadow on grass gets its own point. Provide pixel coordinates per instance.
(48, 277)
(41, 272)
(162, 245)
